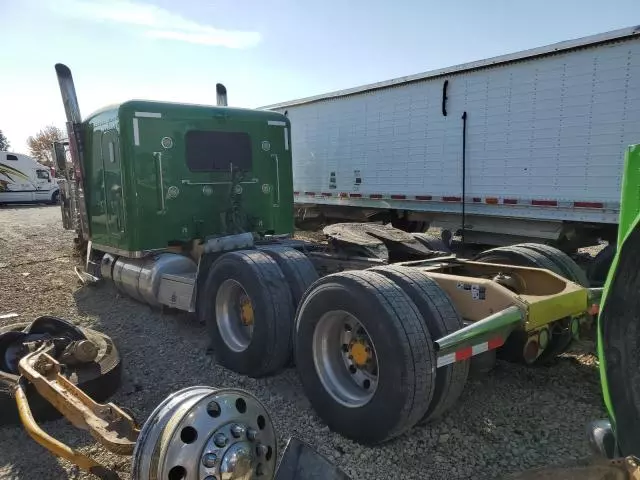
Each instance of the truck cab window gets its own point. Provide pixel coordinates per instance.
(12, 157)
(208, 151)
(42, 174)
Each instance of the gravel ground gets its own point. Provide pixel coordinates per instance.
(512, 419)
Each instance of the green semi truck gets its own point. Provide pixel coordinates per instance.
(191, 207)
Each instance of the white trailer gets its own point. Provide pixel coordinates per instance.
(24, 180)
(523, 146)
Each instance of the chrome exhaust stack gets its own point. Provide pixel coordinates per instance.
(221, 94)
(75, 177)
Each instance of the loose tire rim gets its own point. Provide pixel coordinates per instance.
(345, 359)
(205, 433)
(235, 329)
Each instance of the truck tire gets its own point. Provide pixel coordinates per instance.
(99, 379)
(570, 269)
(516, 255)
(600, 265)
(399, 356)
(247, 308)
(55, 197)
(431, 242)
(296, 267)
(441, 318)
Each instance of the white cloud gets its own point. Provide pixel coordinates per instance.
(155, 22)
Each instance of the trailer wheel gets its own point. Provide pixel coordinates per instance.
(364, 356)
(441, 318)
(569, 268)
(601, 264)
(296, 267)
(517, 255)
(247, 308)
(431, 242)
(99, 379)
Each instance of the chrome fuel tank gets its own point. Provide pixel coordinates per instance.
(141, 278)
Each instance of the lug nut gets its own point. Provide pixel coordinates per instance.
(209, 460)
(251, 434)
(238, 430)
(261, 450)
(220, 440)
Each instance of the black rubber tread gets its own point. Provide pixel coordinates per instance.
(600, 265)
(571, 270)
(296, 267)
(515, 255)
(441, 318)
(265, 284)
(431, 242)
(99, 380)
(399, 335)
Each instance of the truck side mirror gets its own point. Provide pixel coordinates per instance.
(60, 157)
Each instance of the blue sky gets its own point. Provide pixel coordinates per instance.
(263, 51)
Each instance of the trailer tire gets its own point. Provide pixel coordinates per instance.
(296, 267)
(402, 346)
(601, 264)
(99, 379)
(441, 318)
(431, 242)
(268, 347)
(520, 256)
(570, 269)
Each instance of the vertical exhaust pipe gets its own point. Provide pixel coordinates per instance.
(221, 93)
(74, 120)
(68, 92)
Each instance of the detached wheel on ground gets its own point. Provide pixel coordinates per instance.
(364, 356)
(99, 379)
(247, 308)
(440, 318)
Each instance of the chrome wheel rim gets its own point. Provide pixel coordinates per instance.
(204, 433)
(233, 309)
(345, 359)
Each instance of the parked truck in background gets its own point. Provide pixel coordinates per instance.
(526, 146)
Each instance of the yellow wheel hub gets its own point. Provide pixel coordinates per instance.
(246, 311)
(359, 353)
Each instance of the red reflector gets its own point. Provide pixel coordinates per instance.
(464, 354)
(495, 343)
(588, 204)
(398, 197)
(477, 199)
(355, 195)
(296, 193)
(375, 195)
(510, 201)
(594, 309)
(326, 194)
(545, 203)
(424, 197)
(491, 200)
(451, 199)
(310, 193)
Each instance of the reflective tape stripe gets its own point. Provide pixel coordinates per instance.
(468, 352)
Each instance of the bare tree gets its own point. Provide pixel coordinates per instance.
(4, 143)
(40, 145)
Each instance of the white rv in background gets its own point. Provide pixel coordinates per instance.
(23, 180)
